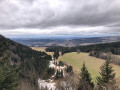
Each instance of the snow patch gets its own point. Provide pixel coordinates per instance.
(51, 64)
(43, 85)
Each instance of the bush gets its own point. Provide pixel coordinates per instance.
(61, 63)
(69, 69)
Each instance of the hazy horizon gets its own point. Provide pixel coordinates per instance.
(51, 37)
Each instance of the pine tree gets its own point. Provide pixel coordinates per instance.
(51, 71)
(56, 54)
(107, 75)
(9, 76)
(57, 74)
(85, 77)
(61, 73)
(69, 68)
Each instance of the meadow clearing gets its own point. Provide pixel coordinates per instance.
(76, 60)
(42, 49)
(93, 64)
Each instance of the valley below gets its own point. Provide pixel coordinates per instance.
(66, 42)
(76, 60)
(59, 68)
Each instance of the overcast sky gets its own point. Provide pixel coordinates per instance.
(59, 18)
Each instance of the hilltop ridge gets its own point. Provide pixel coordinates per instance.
(67, 42)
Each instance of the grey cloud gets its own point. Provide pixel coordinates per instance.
(43, 14)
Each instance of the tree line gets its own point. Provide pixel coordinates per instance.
(108, 55)
(105, 47)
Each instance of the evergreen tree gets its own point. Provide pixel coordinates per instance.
(69, 68)
(85, 77)
(107, 75)
(9, 76)
(61, 63)
(51, 71)
(61, 73)
(57, 74)
(56, 54)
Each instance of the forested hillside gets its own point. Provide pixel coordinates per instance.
(30, 64)
(106, 47)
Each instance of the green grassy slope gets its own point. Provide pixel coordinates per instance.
(93, 64)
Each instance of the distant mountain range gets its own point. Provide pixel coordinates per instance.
(67, 42)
